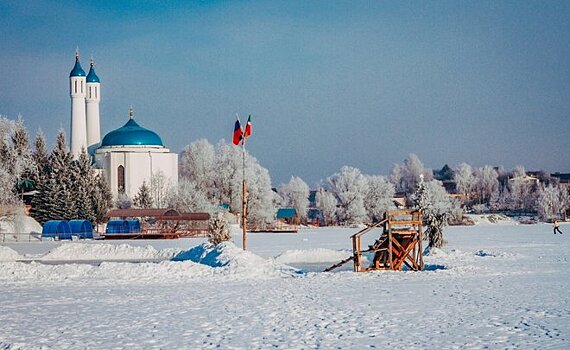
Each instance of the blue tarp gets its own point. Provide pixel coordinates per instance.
(81, 228)
(117, 226)
(134, 226)
(56, 229)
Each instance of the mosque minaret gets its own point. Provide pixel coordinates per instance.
(92, 102)
(77, 91)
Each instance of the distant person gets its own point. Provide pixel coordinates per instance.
(556, 226)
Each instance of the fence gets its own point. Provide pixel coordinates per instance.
(20, 237)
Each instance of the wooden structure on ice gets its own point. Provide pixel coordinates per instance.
(399, 245)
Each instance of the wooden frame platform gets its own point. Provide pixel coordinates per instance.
(399, 245)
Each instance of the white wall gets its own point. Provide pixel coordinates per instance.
(140, 164)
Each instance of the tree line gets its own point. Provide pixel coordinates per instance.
(210, 177)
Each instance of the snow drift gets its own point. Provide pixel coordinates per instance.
(104, 251)
(8, 254)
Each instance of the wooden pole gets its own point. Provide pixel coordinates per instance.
(244, 201)
(390, 258)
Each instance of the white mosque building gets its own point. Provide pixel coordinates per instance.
(126, 156)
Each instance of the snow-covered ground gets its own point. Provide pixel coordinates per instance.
(493, 286)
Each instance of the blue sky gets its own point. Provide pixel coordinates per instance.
(329, 83)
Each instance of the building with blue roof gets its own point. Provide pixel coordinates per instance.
(133, 154)
(128, 155)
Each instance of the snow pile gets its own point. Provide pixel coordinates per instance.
(316, 255)
(18, 228)
(492, 219)
(8, 254)
(100, 251)
(228, 259)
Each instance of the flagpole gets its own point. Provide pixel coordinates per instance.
(244, 200)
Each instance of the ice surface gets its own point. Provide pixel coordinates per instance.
(493, 286)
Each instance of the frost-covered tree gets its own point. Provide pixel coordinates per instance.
(327, 203)
(219, 230)
(102, 198)
(407, 176)
(553, 202)
(188, 198)
(23, 161)
(123, 201)
(159, 189)
(143, 198)
(197, 164)
(519, 171)
(522, 195)
(378, 198)
(486, 183)
(464, 180)
(7, 195)
(437, 207)
(228, 180)
(228, 175)
(55, 199)
(349, 187)
(260, 209)
(83, 186)
(295, 194)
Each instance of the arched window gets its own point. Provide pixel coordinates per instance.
(76, 86)
(121, 179)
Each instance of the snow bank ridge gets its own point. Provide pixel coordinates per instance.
(101, 251)
(227, 259)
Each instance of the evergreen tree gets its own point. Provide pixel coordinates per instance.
(83, 187)
(40, 176)
(102, 199)
(23, 161)
(143, 198)
(54, 197)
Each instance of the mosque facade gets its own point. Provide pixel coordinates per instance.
(127, 156)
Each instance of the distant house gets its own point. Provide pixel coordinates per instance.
(315, 216)
(287, 216)
(529, 179)
(313, 199)
(564, 180)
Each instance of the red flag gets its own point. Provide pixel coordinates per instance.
(238, 133)
(247, 132)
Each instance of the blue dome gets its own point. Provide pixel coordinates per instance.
(92, 77)
(77, 70)
(131, 134)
